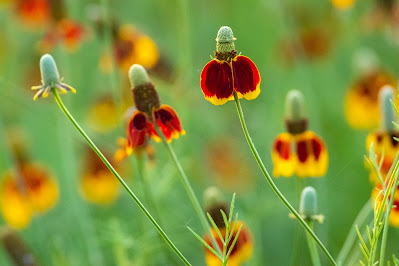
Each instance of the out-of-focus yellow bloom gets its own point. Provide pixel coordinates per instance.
(98, 184)
(103, 115)
(361, 102)
(343, 4)
(241, 251)
(30, 190)
(377, 198)
(131, 47)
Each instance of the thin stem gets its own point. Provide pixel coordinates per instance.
(314, 254)
(352, 236)
(189, 190)
(386, 223)
(271, 183)
(109, 166)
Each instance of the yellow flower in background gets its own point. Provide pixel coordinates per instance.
(384, 138)
(343, 4)
(361, 102)
(241, 251)
(28, 191)
(103, 115)
(377, 197)
(298, 151)
(97, 183)
(131, 47)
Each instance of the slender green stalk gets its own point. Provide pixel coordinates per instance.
(109, 166)
(189, 189)
(352, 236)
(272, 184)
(314, 254)
(386, 223)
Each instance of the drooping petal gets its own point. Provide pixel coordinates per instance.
(246, 77)
(137, 130)
(312, 155)
(283, 157)
(217, 82)
(241, 251)
(168, 122)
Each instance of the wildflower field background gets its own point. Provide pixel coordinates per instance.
(214, 152)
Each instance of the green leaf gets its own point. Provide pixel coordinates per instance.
(205, 244)
(234, 241)
(215, 227)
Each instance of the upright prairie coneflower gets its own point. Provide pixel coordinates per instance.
(229, 72)
(97, 183)
(298, 151)
(242, 249)
(384, 139)
(148, 115)
(28, 190)
(361, 101)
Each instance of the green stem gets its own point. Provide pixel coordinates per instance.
(386, 223)
(314, 254)
(271, 183)
(109, 166)
(189, 190)
(352, 235)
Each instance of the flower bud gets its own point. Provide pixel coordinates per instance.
(49, 71)
(308, 203)
(225, 48)
(295, 119)
(144, 94)
(386, 109)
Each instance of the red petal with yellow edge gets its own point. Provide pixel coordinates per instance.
(168, 122)
(246, 77)
(137, 130)
(312, 155)
(284, 160)
(217, 82)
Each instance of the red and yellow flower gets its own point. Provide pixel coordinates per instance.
(67, 32)
(98, 184)
(377, 197)
(33, 13)
(149, 114)
(229, 72)
(361, 101)
(298, 151)
(28, 191)
(384, 139)
(241, 251)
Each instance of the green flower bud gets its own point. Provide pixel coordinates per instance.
(308, 203)
(138, 75)
(225, 40)
(49, 71)
(386, 109)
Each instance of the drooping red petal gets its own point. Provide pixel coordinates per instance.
(168, 122)
(317, 146)
(137, 130)
(302, 150)
(246, 77)
(217, 82)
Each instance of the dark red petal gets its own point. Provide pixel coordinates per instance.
(246, 75)
(137, 130)
(168, 121)
(217, 81)
(283, 148)
(302, 151)
(317, 146)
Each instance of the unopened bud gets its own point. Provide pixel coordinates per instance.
(49, 71)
